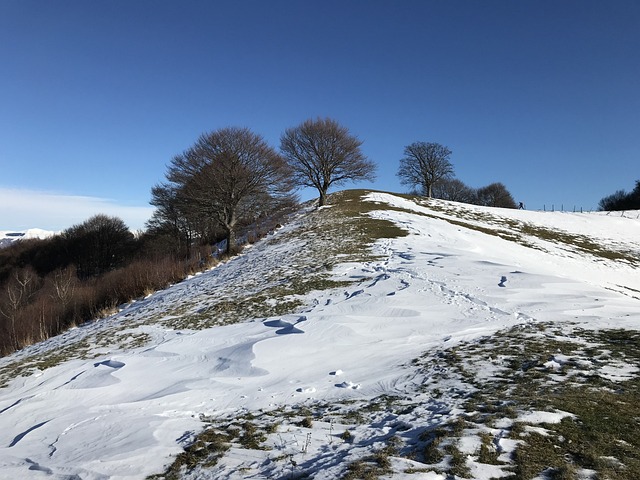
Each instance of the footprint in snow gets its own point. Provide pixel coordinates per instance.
(306, 390)
(351, 385)
(354, 294)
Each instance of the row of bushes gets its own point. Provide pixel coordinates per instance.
(493, 195)
(622, 200)
(34, 308)
(48, 286)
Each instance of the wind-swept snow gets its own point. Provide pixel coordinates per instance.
(121, 413)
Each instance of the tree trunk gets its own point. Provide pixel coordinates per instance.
(231, 240)
(323, 198)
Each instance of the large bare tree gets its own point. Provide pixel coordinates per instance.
(229, 175)
(322, 153)
(424, 165)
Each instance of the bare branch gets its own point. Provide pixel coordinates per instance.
(229, 175)
(323, 153)
(425, 165)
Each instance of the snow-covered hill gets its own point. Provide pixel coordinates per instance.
(311, 356)
(8, 237)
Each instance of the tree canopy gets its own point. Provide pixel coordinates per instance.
(454, 190)
(622, 200)
(321, 153)
(98, 245)
(425, 165)
(495, 195)
(228, 176)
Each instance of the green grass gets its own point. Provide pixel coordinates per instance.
(375, 465)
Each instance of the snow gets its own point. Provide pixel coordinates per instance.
(7, 237)
(544, 417)
(617, 371)
(124, 413)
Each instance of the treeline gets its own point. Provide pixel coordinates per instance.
(622, 200)
(87, 271)
(493, 195)
(427, 168)
(232, 174)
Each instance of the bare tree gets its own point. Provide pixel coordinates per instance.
(19, 291)
(454, 190)
(322, 153)
(495, 195)
(424, 165)
(229, 175)
(621, 200)
(175, 217)
(63, 283)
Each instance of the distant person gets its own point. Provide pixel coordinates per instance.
(521, 206)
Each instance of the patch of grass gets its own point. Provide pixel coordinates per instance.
(600, 435)
(272, 428)
(206, 451)
(252, 438)
(354, 208)
(354, 416)
(306, 422)
(540, 454)
(432, 452)
(369, 468)
(488, 454)
(457, 461)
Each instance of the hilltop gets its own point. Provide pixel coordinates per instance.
(382, 336)
(9, 236)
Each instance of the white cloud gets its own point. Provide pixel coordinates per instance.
(21, 209)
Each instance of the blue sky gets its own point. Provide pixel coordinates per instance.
(96, 97)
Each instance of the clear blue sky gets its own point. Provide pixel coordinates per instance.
(96, 97)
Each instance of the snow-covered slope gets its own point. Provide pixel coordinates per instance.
(7, 237)
(124, 395)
